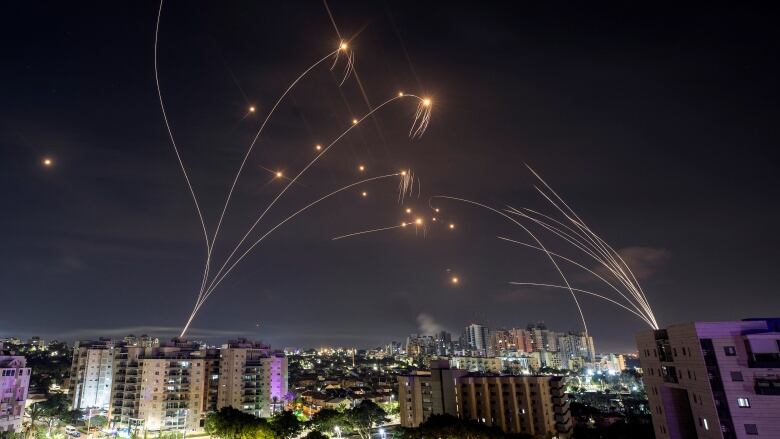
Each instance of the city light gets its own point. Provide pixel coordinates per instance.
(418, 221)
(408, 210)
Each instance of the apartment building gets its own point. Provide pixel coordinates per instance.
(535, 405)
(160, 388)
(426, 393)
(14, 385)
(252, 378)
(91, 373)
(713, 379)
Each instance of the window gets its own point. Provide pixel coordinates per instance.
(751, 429)
(730, 351)
(737, 376)
(706, 425)
(743, 402)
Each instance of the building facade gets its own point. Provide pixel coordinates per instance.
(171, 387)
(252, 378)
(90, 374)
(713, 379)
(535, 405)
(14, 385)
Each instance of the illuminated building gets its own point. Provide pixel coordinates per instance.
(477, 364)
(159, 388)
(252, 378)
(91, 373)
(713, 379)
(475, 339)
(423, 393)
(14, 385)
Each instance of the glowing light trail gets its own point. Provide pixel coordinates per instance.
(363, 232)
(533, 236)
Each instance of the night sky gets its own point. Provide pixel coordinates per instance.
(657, 123)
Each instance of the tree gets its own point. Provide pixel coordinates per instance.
(315, 435)
(327, 420)
(98, 421)
(230, 423)
(450, 427)
(364, 417)
(286, 425)
(35, 413)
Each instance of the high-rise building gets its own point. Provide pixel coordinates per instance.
(476, 338)
(713, 379)
(14, 385)
(500, 341)
(91, 373)
(572, 345)
(443, 341)
(252, 378)
(160, 388)
(535, 405)
(521, 339)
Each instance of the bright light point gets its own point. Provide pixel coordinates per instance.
(354, 121)
(408, 210)
(418, 221)
(437, 210)
(403, 172)
(361, 168)
(279, 174)
(365, 194)
(47, 162)
(433, 219)
(403, 224)
(455, 280)
(343, 46)
(452, 226)
(251, 109)
(318, 147)
(400, 94)
(426, 102)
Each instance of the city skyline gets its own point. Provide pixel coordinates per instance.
(661, 138)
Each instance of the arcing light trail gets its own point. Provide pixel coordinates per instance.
(406, 184)
(575, 232)
(533, 236)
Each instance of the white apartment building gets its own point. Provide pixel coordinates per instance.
(91, 373)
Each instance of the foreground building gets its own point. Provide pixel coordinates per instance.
(713, 379)
(252, 378)
(91, 373)
(535, 405)
(14, 385)
(171, 387)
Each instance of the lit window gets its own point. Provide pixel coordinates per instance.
(743, 402)
(730, 351)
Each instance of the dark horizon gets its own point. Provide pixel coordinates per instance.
(656, 123)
